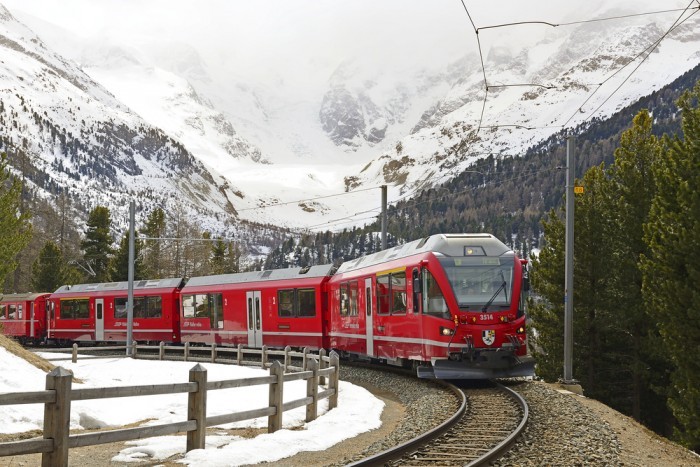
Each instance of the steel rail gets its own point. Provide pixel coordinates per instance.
(399, 451)
(505, 445)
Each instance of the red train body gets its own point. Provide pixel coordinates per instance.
(97, 312)
(452, 306)
(23, 316)
(275, 308)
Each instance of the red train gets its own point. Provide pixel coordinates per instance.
(23, 316)
(451, 306)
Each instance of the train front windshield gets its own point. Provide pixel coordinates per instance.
(481, 283)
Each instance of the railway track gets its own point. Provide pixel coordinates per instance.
(488, 422)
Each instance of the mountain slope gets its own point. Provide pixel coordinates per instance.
(77, 137)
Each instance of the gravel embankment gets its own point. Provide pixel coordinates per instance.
(561, 431)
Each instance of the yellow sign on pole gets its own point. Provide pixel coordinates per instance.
(578, 190)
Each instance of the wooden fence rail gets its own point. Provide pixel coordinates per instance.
(59, 395)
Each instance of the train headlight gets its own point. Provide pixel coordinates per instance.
(446, 331)
(504, 319)
(521, 330)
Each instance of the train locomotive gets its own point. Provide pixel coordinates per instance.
(451, 306)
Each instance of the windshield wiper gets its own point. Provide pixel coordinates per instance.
(495, 294)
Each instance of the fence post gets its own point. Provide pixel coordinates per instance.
(239, 355)
(306, 355)
(57, 417)
(74, 359)
(187, 351)
(312, 390)
(263, 357)
(197, 408)
(321, 365)
(161, 350)
(213, 352)
(134, 349)
(333, 381)
(287, 358)
(274, 422)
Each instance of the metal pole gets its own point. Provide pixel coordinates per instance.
(383, 217)
(569, 263)
(130, 296)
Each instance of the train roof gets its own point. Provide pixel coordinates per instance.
(20, 297)
(263, 276)
(117, 286)
(441, 244)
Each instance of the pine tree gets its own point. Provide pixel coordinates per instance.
(592, 310)
(97, 244)
(233, 259)
(120, 263)
(15, 229)
(633, 189)
(217, 258)
(154, 258)
(671, 273)
(49, 270)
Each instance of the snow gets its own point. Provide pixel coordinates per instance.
(241, 85)
(358, 411)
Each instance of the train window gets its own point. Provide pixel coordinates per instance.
(480, 281)
(348, 298)
(76, 308)
(296, 303)
(433, 299)
(353, 298)
(383, 295)
(19, 311)
(120, 311)
(3, 311)
(391, 293)
(11, 311)
(154, 306)
(204, 306)
(344, 299)
(285, 300)
(188, 306)
(307, 302)
(144, 307)
(398, 292)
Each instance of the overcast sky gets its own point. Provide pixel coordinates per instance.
(291, 35)
(412, 29)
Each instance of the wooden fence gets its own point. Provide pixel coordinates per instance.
(58, 396)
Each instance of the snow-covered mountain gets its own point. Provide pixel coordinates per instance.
(270, 113)
(80, 139)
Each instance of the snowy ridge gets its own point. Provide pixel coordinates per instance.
(84, 140)
(318, 105)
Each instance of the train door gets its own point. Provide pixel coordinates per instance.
(369, 312)
(254, 314)
(99, 319)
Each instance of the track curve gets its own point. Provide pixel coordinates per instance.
(486, 425)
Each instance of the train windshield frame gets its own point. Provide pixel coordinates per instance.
(481, 282)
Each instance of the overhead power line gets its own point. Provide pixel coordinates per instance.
(571, 23)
